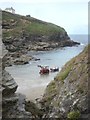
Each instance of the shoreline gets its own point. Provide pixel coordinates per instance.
(35, 93)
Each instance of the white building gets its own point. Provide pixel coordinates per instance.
(11, 10)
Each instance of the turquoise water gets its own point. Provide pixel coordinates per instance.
(30, 82)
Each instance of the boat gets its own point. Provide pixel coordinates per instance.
(44, 70)
(55, 69)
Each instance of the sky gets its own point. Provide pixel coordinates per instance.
(72, 15)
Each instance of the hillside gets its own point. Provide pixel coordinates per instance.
(67, 95)
(28, 24)
(22, 34)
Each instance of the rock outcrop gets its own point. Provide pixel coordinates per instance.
(9, 86)
(17, 59)
(66, 97)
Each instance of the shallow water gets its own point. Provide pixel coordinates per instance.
(30, 82)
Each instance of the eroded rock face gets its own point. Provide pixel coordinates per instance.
(16, 59)
(9, 86)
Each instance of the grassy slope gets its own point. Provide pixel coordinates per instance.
(29, 25)
(75, 71)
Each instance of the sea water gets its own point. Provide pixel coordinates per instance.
(30, 82)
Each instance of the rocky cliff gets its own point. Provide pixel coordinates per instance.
(13, 104)
(66, 97)
(22, 34)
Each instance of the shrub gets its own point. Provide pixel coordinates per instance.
(73, 115)
(63, 74)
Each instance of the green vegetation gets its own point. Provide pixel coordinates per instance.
(74, 115)
(65, 70)
(52, 90)
(28, 25)
(43, 28)
(69, 65)
(63, 74)
(7, 16)
(51, 87)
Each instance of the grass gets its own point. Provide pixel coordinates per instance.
(63, 74)
(7, 16)
(51, 92)
(43, 29)
(51, 89)
(69, 65)
(29, 25)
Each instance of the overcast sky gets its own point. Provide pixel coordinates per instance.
(70, 14)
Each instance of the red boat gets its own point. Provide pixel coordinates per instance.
(44, 70)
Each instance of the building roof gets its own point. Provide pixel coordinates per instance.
(9, 8)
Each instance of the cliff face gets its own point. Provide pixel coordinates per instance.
(22, 34)
(67, 95)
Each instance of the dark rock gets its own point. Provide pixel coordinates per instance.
(16, 58)
(5, 26)
(23, 59)
(9, 86)
(36, 59)
(20, 62)
(28, 15)
(14, 107)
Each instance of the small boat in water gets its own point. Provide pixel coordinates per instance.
(44, 69)
(55, 69)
